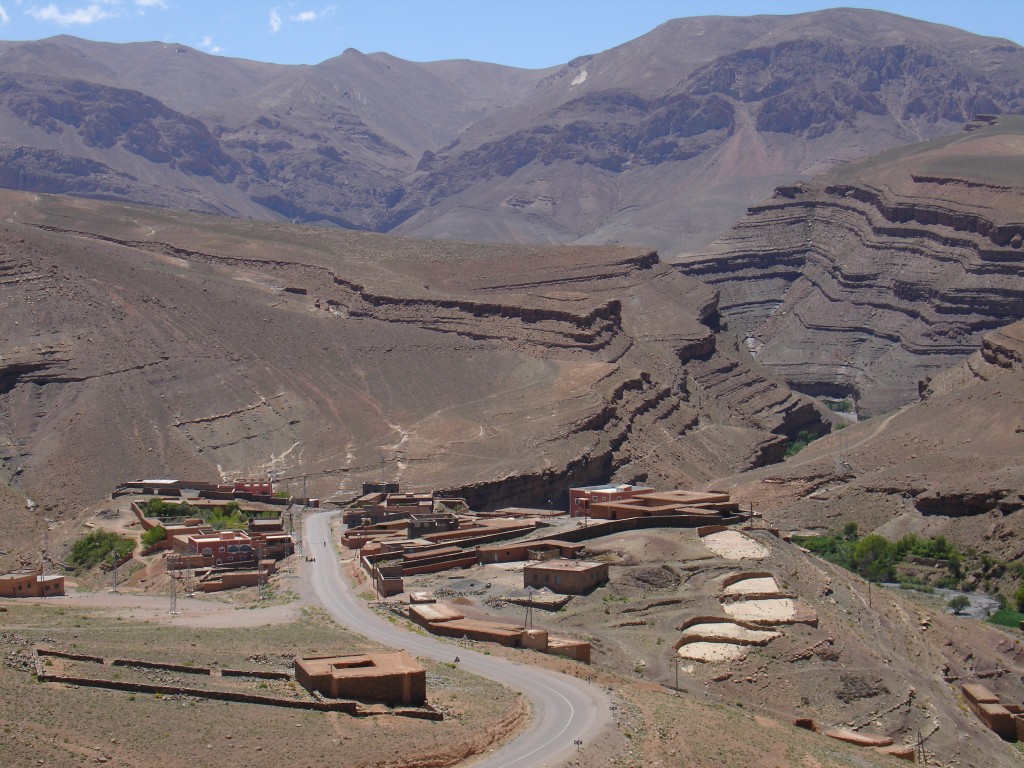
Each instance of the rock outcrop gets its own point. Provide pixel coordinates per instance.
(882, 272)
(949, 464)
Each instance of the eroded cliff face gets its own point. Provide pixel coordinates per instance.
(949, 464)
(883, 272)
(140, 342)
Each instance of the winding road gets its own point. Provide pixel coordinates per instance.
(564, 709)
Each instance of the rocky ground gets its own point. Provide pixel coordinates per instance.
(68, 726)
(875, 661)
(944, 466)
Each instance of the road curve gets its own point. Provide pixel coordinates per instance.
(564, 708)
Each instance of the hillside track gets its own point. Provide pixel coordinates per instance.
(564, 709)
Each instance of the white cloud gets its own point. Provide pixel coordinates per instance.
(277, 21)
(152, 4)
(207, 43)
(4, 18)
(88, 14)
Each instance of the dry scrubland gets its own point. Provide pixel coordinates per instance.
(67, 726)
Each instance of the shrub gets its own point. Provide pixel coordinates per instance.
(959, 604)
(1018, 598)
(874, 557)
(801, 441)
(154, 535)
(98, 546)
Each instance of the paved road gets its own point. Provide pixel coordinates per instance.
(565, 708)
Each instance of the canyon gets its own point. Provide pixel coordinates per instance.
(867, 281)
(142, 342)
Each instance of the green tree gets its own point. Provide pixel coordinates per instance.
(873, 557)
(850, 531)
(154, 535)
(1018, 597)
(959, 604)
(97, 546)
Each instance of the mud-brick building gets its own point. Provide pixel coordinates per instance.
(566, 577)
(389, 678)
(30, 582)
(581, 499)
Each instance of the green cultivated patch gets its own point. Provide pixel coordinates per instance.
(99, 546)
(1007, 618)
(230, 516)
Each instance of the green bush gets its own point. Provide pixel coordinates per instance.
(154, 535)
(99, 546)
(874, 558)
(959, 604)
(803, 438)
(1018, 598)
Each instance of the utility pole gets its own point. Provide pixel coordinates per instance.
(174, 596)
(677, 672)
(113, 570)
(260, 581)
(529, 608)
(46, 542)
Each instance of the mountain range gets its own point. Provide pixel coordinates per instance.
(661, 142)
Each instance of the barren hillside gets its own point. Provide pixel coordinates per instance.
(140, 342)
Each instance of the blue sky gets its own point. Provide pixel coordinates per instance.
(522, 33)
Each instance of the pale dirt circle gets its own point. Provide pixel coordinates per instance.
(726, 630)
(733, 545)
(712, 652)
(754, 586)
(772, 609)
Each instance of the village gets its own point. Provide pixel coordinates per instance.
(506, 577)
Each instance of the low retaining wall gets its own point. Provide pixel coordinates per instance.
(160, 665)
(259, 674)
(349, 707)
(321, 704)
(72, 656)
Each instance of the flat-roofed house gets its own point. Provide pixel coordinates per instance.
(566, 577)
(30, 582)
(386, 677)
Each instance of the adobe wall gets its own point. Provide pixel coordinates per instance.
(443, 563)
(408, 688)
(457, 629)
(578, 650)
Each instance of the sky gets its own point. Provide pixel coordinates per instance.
(519, 33)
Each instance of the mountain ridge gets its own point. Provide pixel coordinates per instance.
(661, 141)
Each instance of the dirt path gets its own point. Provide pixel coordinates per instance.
(191, 612)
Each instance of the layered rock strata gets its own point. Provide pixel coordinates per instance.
(153, 343)
(883, 272)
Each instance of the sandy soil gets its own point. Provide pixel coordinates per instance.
(726, 629)
(772, 609)
(734, 546)
(191, 612)
(712, 652)
(765, 585)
